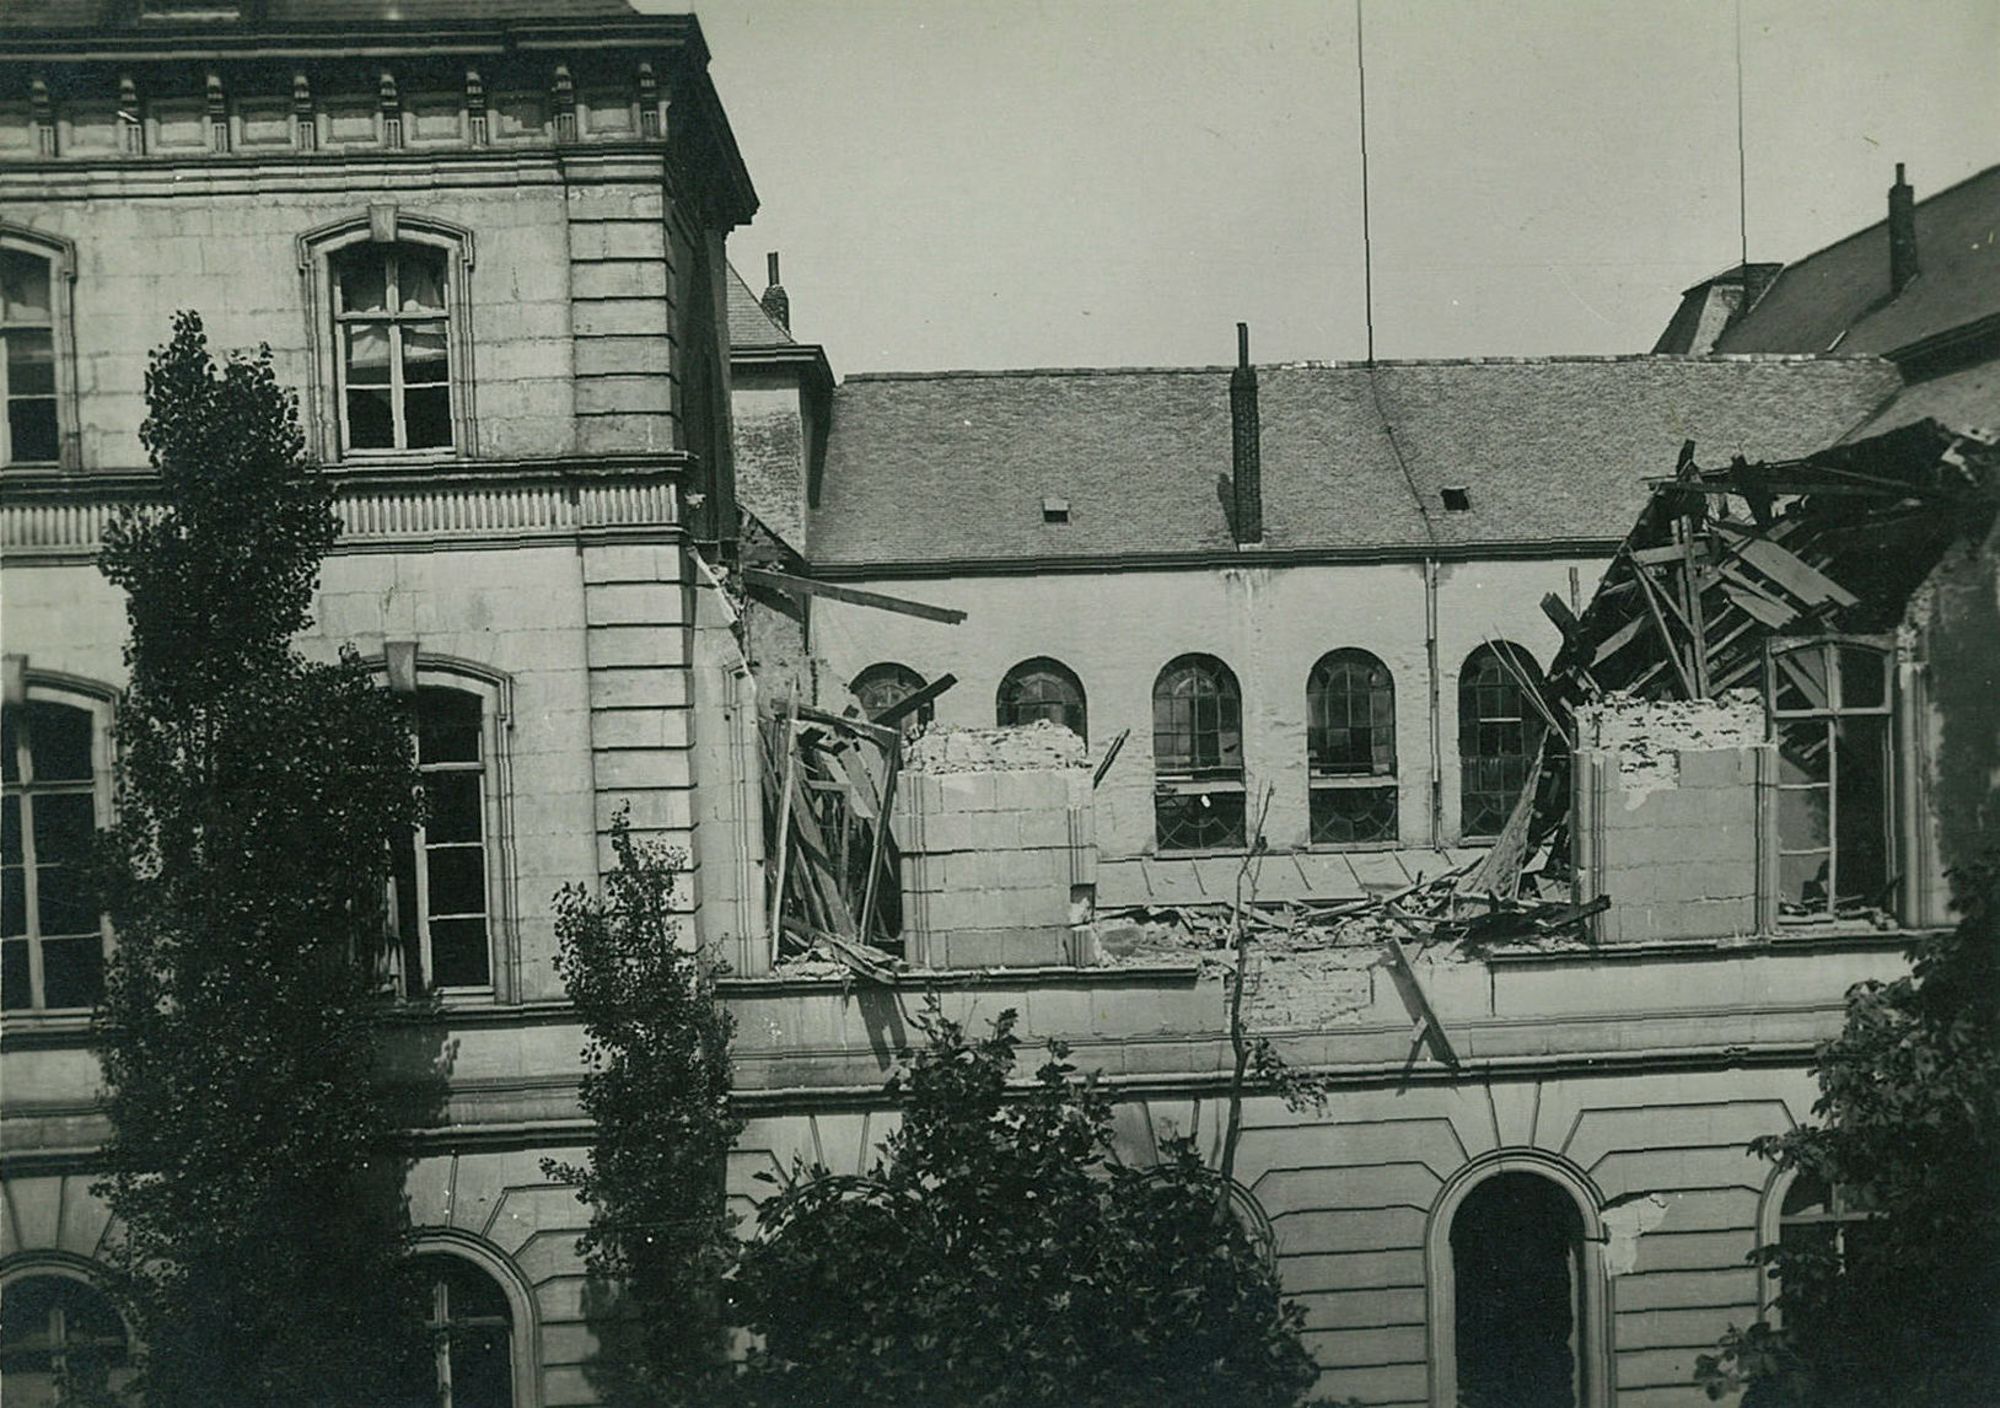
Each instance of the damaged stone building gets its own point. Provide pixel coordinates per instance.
(1002, 687)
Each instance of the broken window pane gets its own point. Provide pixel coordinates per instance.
(1801, 680)
(1863, 678)
(1861, 808)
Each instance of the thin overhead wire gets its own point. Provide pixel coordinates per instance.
(1742, 176)
(1367, 244)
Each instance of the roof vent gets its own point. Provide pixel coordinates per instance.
(1054, 510)
(1457, 498)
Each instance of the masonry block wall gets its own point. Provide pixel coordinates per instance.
(997, 865)
(1673, 816)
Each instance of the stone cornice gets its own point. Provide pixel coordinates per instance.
(53, 518)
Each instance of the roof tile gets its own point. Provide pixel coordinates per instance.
(951, 468)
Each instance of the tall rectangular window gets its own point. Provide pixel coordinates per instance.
(51, 937)
(31, 433)
(1831, 711)
(393, 347)
(1351, 749)
(442, 912)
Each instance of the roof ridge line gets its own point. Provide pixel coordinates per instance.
(1561, 359)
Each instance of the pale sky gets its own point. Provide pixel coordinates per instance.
(994, 183)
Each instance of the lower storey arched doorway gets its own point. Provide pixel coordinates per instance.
(1517, 1273)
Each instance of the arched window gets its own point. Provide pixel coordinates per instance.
(1517, 1279)
(1197, 755)
(34, 346)
(1042, 688)
(1351, 748)
(882, 686)
(1831, 712)
(1498, 733)
(472, 1339)
(54, 755)
(1821, 1222)
(60, 1338)
(443, 879)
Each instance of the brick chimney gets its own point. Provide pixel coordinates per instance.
(777, 307)
(1903, 265)
(1246, 472)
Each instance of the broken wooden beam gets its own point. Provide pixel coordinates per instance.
(912, 702)
(1111, 752)
(853, 596)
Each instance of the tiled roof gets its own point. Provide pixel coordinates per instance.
(1844, 288)
(953, 467)
(749, 324)
(80, 14)
(1964, 400)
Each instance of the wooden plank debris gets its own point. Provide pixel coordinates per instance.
(853, 596)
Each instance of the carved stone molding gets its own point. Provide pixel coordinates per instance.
(56, 518)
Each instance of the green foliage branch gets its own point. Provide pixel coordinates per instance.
(656, 1086)
(258, 794)
(1908, 1127)
(999, 1254)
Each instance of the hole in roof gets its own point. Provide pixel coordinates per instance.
(1457, 498)
(1054, 510)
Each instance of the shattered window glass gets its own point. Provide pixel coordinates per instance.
(1832, 725)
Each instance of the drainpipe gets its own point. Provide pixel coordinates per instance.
(1437, 705)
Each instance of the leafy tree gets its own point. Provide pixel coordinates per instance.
(657, 1088)
(999, 1255)
(1907, 1314)
(258, 797)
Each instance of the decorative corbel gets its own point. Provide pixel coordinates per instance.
(45, 115)
(304, 121)
(475, 108)
(392, 111)
(563, 93)
(131, 122)
(218, 114)
(649, 102)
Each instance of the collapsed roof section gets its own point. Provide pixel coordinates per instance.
(1723, 561)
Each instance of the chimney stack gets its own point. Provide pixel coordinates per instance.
(1903, 264)
(1246, 471)
(777, 307)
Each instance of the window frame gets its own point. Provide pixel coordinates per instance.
(1832, 712)
(60, 255)
(1594, 1333)
(318, 254)
(1772, 1220)
(1530, 721)
(1219, 781)
(63, 1266)
(95, 701)
(524, 1341)
(495, 694)
(1322, 779)
(1050, 667)
(925, 713)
